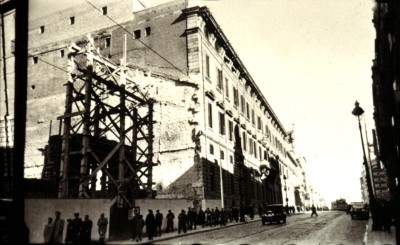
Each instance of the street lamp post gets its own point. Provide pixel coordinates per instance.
(358, 111)
(287, 199)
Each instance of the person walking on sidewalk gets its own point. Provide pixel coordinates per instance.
(313, 211)
(159, 219)
(170, 221)
(182, 219)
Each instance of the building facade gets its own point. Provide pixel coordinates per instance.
(217, 141)
(385, 88)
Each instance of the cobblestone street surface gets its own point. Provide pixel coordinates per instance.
(300, 229)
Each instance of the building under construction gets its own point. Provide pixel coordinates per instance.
(132, 102)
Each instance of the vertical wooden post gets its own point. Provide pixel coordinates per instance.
(63, 192)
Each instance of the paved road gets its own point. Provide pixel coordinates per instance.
(327, 228)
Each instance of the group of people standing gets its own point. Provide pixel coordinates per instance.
(78, 231)
(187, 220)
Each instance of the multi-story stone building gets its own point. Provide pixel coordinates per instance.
(214, 130)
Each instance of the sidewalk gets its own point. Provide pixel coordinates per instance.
(379, 237)
(172, 235)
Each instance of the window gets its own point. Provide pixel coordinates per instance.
(211, 149)
(242, 103)
(235, 97)
(231, 159)
(248, 110)
(259, 126)
(61, 53)
(136, 34)
(220, 84)
(72, 20)
(107, 42)
(207, 66)
(222, 123)
(252, 116)
(226, 88)
(222, 154)
(210, 124)
(251, 146)
(230, 130)
(244, 141)
(104, 10)
(212, 177)
(35, 59)
(41, 30)
(147, 31)
(255, 148)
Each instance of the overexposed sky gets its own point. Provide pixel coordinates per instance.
(312, 59)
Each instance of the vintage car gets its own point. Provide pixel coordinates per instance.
(274, 213)
(359, 210)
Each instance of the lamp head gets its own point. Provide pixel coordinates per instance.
(357, 111)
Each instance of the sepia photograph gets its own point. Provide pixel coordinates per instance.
(270, 122)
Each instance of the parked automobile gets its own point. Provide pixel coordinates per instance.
(359, 210)
(274, 213)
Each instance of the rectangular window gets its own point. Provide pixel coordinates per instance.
(220, 84)
(222, 154)
(12, 46)
(41, 30)
(231, 159)
(252, 116)
(255, 148)
(244, 141)
(211, 149)
(251, 146)
(212, 178)
(61, 53)
(222, 123)
(210, 124)
(230, 130)
(226, 87)
(72, 20)
(107, 42)
(207, 66)
(104, 10)
(259, 126)
(35, 59)
(235, 97)
(136, 34)
(242, 103)
(260, 153)
(248, 110)
(147, 31)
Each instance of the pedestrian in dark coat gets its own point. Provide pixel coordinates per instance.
(208, 217)
(47, 230)
(102, 223)
(201, 218)
(217, 216)
(86, 230)
(150, 225)
(170, 221)
(313, 211)
(159, 219)
(137, 227)
(235, 214)
(182, 220)
(77, 224)
(70, 231)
